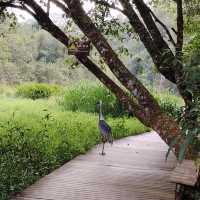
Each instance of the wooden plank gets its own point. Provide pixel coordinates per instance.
(185, 173)
(134, 168)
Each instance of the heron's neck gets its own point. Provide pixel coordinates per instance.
(100, 114)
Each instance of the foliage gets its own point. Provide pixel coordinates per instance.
(189, 122)
(41, 58)
(174, 106)
(36, 141)
(32, 55)
(188, 117)
(192, 44)
(37, 90)
(170, 104)
(192, 28)
(83, 97)
(10, 20)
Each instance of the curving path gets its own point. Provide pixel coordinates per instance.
(134, 168)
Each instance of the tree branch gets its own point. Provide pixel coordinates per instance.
(180, 28)
(164, 27)
(21, 7)
(148, 20)
(149, 41)
(122, 96)
(48, 6)
(61, 6)
(107, 53)
(45, 22)
(3, 5)
(104, 3)
(173, 29)
(28, 10)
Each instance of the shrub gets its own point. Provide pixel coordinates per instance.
(84, 96)
(170, 104)
(33, 142)
(37, 90)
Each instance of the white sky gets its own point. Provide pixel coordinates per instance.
(55, 12)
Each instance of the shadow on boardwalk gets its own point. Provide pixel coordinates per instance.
(134, 168)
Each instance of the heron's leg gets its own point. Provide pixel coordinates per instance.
(103, 153)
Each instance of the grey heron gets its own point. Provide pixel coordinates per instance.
(104, 128)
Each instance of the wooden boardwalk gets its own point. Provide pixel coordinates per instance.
(134, 168)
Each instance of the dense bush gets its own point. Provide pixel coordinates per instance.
(84, 96)
(170, 104)
(37, 90)
(34, 141)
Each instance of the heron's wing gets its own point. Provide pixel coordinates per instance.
(104, 127)
(106, 131)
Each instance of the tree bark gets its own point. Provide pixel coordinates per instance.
(166, 126)
(114, 63)
(160, 52)
(151, 25)
(146, 109)
(160, 122)
(180, 28)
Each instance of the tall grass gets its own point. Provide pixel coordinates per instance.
(39, 136)
(37, 90)
(36, 137)
(84, 96)
(170, 104)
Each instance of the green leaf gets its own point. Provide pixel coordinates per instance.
(173, 142)
(183, 147)
(182, 151)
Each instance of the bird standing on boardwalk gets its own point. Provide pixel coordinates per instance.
(104, 128)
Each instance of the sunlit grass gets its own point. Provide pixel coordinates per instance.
(38, 136)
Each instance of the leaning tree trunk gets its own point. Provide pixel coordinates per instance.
(151, 110)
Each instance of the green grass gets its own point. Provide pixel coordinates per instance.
(83, 97)
(170, 104)
(37, 90)
(167, 96)
(11, 104)
(37, 137)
